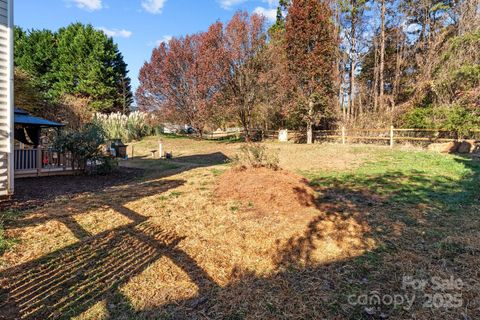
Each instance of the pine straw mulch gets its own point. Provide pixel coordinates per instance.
(266, 191)
(190, 246)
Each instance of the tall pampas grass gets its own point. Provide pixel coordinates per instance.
(129, 127)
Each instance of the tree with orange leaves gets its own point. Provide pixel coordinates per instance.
(311, 56)
(183, 78)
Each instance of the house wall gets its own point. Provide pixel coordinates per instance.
(6, 97)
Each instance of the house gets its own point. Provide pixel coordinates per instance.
(6, 98)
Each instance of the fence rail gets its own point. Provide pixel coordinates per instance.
(345, 135)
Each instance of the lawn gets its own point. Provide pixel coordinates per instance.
(163, 245)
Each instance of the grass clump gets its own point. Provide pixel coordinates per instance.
(255, 155)
(5, 242)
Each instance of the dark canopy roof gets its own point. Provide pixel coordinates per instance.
(24, 118)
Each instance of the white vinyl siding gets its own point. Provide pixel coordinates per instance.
(6, 101)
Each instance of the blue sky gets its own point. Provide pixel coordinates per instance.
(136, 25)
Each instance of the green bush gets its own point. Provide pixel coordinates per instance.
(108, 165)
(454, 118)
(419, 118)
(83, 144)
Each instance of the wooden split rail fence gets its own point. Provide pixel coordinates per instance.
(388, 136)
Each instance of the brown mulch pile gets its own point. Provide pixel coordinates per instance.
(35, 192)
(265, 190)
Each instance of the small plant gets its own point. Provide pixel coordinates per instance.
(256, 155)
(107, 166)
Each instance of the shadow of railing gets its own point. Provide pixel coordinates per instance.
(35, 192)
(69, 281)
(350, 212)
(66, 283)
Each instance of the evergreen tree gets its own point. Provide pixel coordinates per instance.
(35, 51)
(77, 61)
(89, 65)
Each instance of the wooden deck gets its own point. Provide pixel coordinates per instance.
(45, 172)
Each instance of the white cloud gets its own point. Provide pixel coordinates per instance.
(120, 33)
(165, 39)
(272, 3)
(153, 6)
(228, 4)
(270, 14)
(89, 5)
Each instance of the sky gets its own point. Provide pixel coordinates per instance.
(137, 26)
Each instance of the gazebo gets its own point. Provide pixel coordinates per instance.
(28, 128)
(31, 158)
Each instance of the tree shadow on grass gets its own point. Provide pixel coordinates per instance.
(197, 160)
(374, 214)
(66, 283)
(69, 281)
(35, 192)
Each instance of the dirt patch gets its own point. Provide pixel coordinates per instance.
(35, 192)
(266, 191)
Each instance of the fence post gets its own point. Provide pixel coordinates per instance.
(160, 149)
(391, 136)
(133, 149)
(343, 135)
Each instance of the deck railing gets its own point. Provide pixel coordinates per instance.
(41, 160)
(26, 159)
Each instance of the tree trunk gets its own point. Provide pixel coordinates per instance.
(360, 104)
(244, 119)
(352, 88)
(375, 76)
(338, 69)
(310, 123)
(247, 133)
(309, 132)
(398, 66)
(353, 58)
(382, 56)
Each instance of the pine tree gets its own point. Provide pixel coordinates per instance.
(77, 61)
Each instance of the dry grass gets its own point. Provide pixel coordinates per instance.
(166, 247)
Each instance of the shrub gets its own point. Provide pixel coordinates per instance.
(256, 155)
(84, 144)
(108, 165)
(454, 118)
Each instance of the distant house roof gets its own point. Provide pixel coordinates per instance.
(24, 118)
